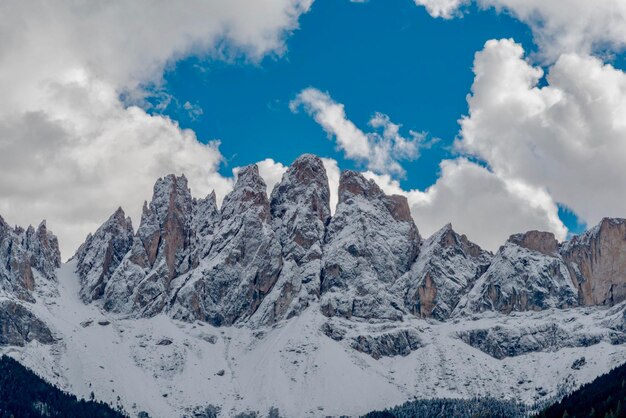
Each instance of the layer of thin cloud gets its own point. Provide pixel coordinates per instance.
(568, 136)
(70, 150)
(380, 152)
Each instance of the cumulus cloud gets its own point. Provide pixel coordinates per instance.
(380, 152)
(70, 149)
(568, 136)
(581, 26)
(478, 203)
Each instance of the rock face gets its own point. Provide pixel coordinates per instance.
(504, 341)
(22, 252)
(446, 269)
(19, 326)
(370, 243)
(300, 209)
(597, 263)
(244, 261)
(160, 251)
(526, 274)
(258, 260)
(101, 253)
(394, 343)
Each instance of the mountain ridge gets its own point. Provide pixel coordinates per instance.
(271, 301)
(364, 261)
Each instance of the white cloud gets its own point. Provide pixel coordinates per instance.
(478, 203)
(441, 8)
(558, 26)
(70, 151)
(379, 152)
(568, 136)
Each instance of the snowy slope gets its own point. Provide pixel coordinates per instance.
(294, 366)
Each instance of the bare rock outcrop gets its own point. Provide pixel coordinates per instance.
(19, 326)
(101, 253)
(370, 243)
(597, 263)
(24, 252)
(300, 211)
(522, 279)
(244, 261)
(160, 251)
(540, 241)
(446, 269)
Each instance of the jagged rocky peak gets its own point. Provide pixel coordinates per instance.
(205, 218)
(446, 269)
(165, 236)
(300, 211)
(22, 252)
(543, 242)
(43, 247)
(101, 253)
(352, 184)
(597, 262)
(250, 192)
(168, 225)
(244, 261)
(369, 244)
(527, 273)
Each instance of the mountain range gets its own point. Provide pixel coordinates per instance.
(278, 302)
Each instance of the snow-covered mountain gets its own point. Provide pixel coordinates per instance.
(272, 302)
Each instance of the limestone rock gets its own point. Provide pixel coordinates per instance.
(19, 326)
(398, 342)
(521, 279)
(24, 252)
(446, 269)
(244, 261)
(370, 243)
(597, 263)
(300, 211)
(99, 256)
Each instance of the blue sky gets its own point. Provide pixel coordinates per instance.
(381, 56)
(378, 56)
(535, 152)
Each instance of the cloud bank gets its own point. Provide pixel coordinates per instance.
(568, 136)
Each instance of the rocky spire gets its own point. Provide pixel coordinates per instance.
(447, 268)
(300, 210)
(370, 243)
(525, 274)
(597, 263)
(244, 261)
(22, 252)
(102, 253)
